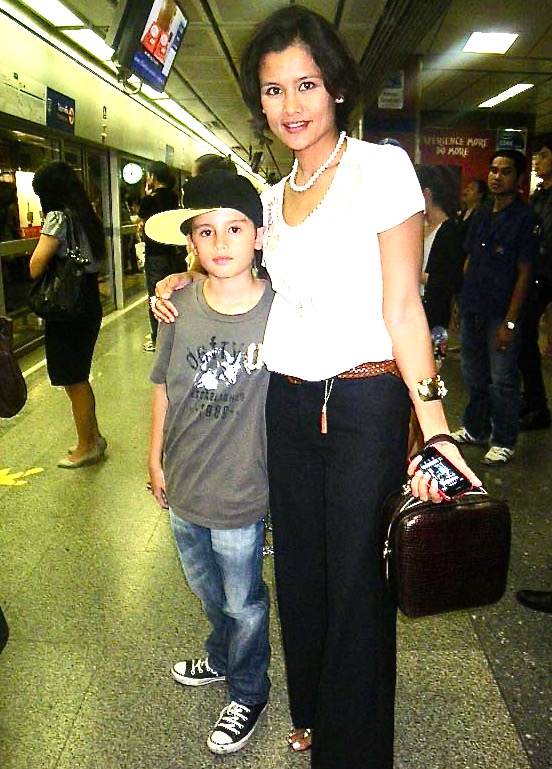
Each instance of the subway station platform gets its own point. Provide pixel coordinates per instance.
(99, 609)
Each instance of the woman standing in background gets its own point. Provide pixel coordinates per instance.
(443, 263)
(475, 195)
(70, 344)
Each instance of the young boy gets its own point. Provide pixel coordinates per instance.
(207, 456)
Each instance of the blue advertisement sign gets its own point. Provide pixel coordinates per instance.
(60, 111)
(511, 139)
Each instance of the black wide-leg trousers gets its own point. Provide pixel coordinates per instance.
(337, 618)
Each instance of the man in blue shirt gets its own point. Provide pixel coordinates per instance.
(502, 246)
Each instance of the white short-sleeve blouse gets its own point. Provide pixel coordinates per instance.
(327, 315)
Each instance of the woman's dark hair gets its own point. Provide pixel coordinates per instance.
(59, 187)
(162, 173)
(544, 140)
(481, 185)
(482, 189)
(212, 162)
(440, 182)
(296, 24)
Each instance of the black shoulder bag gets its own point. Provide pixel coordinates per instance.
(56, 294)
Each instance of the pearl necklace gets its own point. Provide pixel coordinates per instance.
(319, 171)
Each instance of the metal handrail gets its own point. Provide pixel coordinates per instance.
(12, 248)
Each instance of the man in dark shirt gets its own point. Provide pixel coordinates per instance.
(502, 247)
(535, 412)
(160, 260)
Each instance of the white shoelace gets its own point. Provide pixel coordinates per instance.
(232, 715)
(198, 665)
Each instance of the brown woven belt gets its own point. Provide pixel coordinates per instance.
(362, 371)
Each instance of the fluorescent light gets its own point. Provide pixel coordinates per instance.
(489, 42)
(151, 93)
(507, 94)
(174, 109)
(54, 12)
(91, 42)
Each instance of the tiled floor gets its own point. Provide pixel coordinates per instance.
(99, 610)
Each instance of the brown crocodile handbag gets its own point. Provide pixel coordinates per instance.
(445, 557)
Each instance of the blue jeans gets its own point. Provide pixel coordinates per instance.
(223, 568)
(492, 379)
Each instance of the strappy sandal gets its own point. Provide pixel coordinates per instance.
(300, 739)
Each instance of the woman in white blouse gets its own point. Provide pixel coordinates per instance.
(346, 352)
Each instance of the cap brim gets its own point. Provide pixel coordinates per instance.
(166, 226)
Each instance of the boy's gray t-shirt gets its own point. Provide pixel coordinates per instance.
(214, 443)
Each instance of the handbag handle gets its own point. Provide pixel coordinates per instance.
(411, 502)
(74, 250)
(408, 503)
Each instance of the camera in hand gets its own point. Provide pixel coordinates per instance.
(451, 482)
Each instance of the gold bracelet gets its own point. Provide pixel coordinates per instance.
(432, 389)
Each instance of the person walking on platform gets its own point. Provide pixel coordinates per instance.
(502, 247)
(160, 259)
(207, 457)
(69, 345)
(535, 413)
(338, 402)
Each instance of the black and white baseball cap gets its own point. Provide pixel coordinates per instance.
(202, 194)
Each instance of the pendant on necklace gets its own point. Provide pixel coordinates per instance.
(324, 420)
(328, 386)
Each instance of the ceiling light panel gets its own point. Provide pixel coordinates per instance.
(91, 42)
(490, 42)
(507, 94)
(54, 12)
(151, 93)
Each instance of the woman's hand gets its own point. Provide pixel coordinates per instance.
(163, 310)
(161, 306)
(157, 486)
(421, 484)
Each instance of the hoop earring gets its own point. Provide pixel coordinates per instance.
(339, 100)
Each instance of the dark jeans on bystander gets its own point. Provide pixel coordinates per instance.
(492, 380)
(534, 392)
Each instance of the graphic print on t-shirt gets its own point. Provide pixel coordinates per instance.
(217, 367)
(222, 363)
(216, 391)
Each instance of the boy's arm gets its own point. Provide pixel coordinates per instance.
(155, 467)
